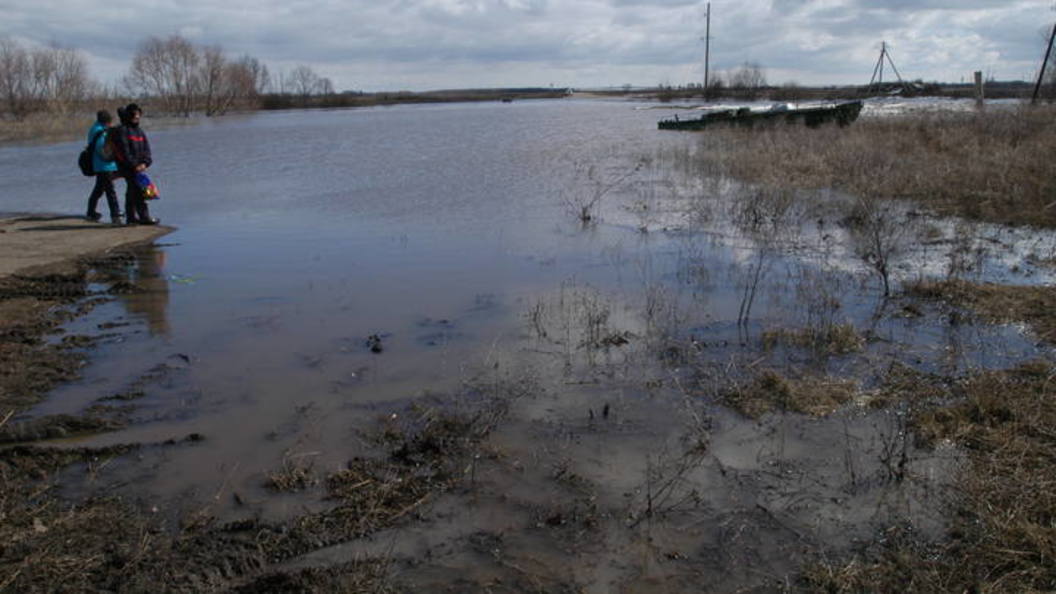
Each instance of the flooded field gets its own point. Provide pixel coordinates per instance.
(588, 365)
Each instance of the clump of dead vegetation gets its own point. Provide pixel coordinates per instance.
(1002, 536)
(900, 383)
(112, 544)
(770, 391)
(1033, 305)
(991, 165)
(296, 473)
(826, 339)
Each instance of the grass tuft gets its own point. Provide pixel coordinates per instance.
(770, 391)
(1002, 536)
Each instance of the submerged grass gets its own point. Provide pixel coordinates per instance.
(992, 165)
(1036, 306)
(112, 544)
(1002, 534)
(771, 391)
(827, 339)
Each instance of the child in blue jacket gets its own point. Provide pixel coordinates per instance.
(105, 170)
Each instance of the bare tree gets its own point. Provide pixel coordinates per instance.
(14, 78)
(169, 70)
(325, 86)
(52, 78)
(70, 84)
(749, 79)
(212, 74)
(240, 85)
(257, 72)
(303, 82)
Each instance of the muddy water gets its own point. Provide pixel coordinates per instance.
(450, 235)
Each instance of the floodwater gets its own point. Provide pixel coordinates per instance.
(451, 234)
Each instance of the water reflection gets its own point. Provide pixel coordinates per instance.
(151, 301)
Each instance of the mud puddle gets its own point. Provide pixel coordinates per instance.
(628, 454)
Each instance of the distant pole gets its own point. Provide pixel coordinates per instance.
(879, 69)
(978, 88)
(1041, 74)
(707, 49)
(883, 52)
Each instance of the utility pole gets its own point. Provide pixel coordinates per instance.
(883, 52)
(707, 49)
(879, 69)
(1041, 74)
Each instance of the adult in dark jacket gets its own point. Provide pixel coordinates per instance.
(105, 168)
(132, 152)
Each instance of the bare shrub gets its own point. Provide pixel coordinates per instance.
(879, 235)
(668, 486)
(592, 182)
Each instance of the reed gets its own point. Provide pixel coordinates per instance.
(993, 165)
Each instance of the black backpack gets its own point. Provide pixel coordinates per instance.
(84, 160)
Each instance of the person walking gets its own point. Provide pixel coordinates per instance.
(104, 167)
(132, 153)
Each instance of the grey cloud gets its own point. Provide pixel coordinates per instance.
(956, 5)
(654, 3)
(595, 39)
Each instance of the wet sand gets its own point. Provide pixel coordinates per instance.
(44, 261)
(30, 243)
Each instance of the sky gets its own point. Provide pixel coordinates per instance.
(418, 45)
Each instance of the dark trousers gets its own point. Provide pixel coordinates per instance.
(104, 184)
(135, 204)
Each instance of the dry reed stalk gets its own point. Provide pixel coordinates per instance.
(993, 165)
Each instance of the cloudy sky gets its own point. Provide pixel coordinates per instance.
(374, 45)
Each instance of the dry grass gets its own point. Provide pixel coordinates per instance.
(993, 165)
(73, 127)
(827, 339)
(770, 391)
(50, 544)
(1002, 536)
(1035, 306)
(296, 473)
(41, 127)
(900, 383)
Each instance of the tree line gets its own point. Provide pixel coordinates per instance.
(178, 76)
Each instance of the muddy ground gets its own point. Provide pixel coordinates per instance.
(925, 482)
